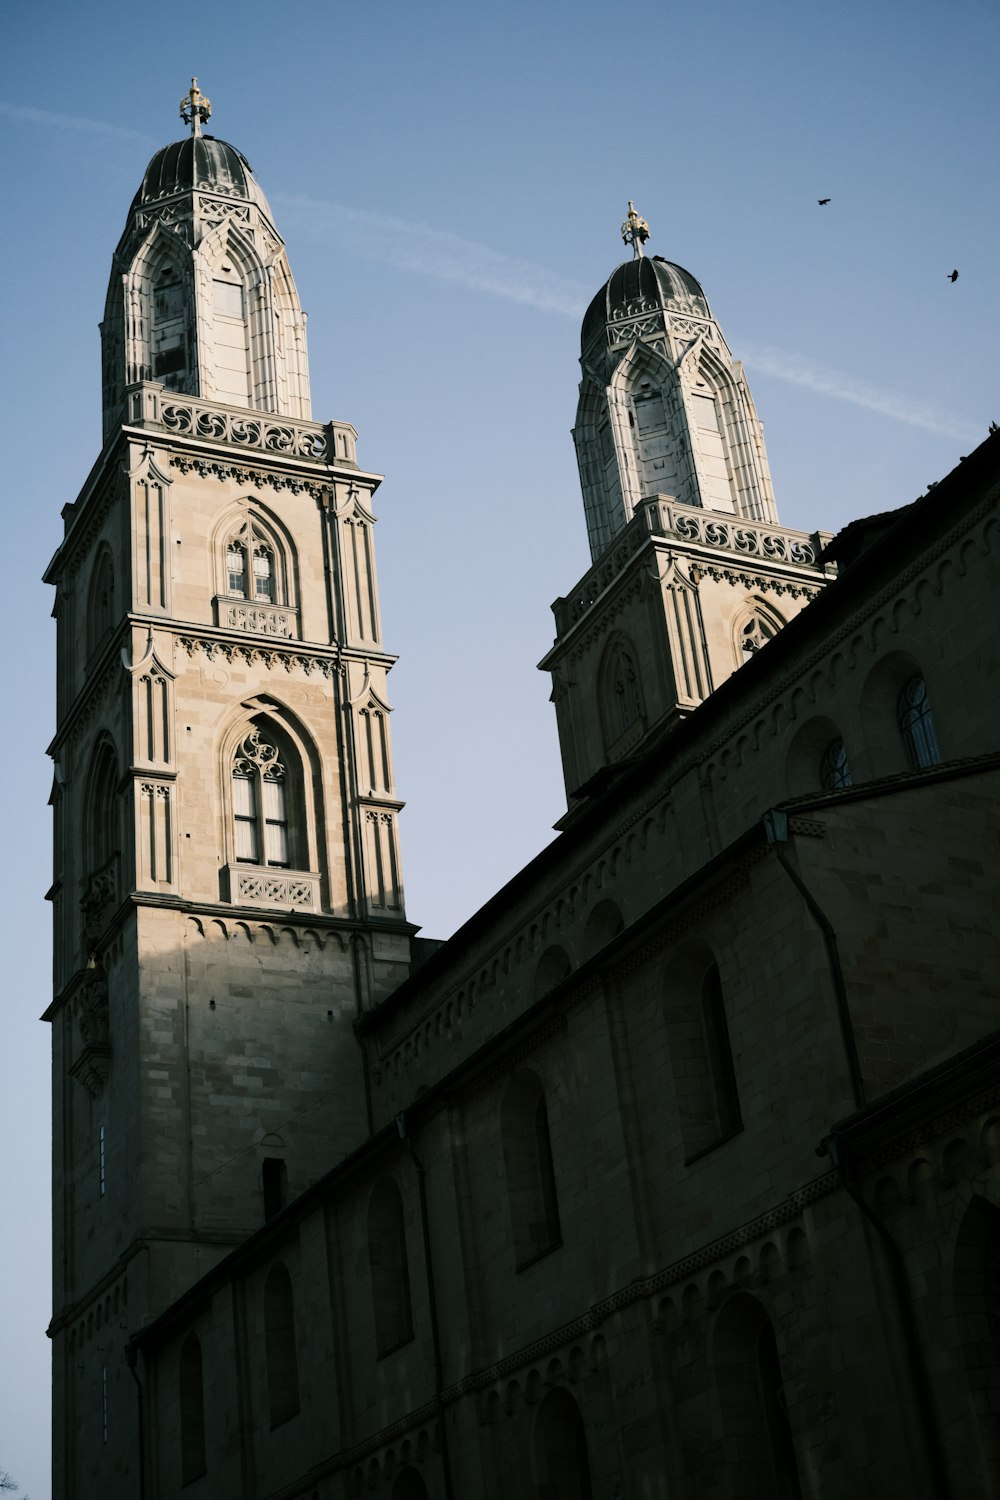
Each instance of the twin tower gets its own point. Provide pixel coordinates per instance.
(227, 891)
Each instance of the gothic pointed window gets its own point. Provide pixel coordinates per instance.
(192, 1405)
(626, 690)
(260, 803)
(169, 334)
(755, 632)
(835, 768)
(916, 725)
(253, 568)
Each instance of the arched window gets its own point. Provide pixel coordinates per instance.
(192, 1404)
(101, 602)
(529, 1169)
(561, 1463)
(169, 330)
(279, 1344)
(408, 1486)
(622, 693)
(251, 566)
(756, 630)
(701, 1054)
(260, 803)
(389, 1270)
(916, 725)
(759, 1448)
(835, 768)
(103, 834)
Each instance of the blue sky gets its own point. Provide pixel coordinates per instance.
(450, 179)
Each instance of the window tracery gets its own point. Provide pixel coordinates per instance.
(755, 632)
(260, 803)
(835, 768)
(916, 725)
(251, 571)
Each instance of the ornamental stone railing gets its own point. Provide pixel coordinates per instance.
(250, 885)
(256, 618)
(661, 515)
(152, 405)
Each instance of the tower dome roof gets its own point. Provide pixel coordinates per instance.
(644, 284)
(200, 162)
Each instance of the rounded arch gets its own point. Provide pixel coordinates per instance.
(757, 1432)
(388, 1266)
(889, 746)
(817, 759)
(245, 533)
(529, 1167)
(552, 968)
(408, 1485)
(272, 789)
(700, 1048)
(280, 1344)
(604, 922)
(559, 1442)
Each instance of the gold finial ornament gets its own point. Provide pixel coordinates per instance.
(195, 108)
(635, 230)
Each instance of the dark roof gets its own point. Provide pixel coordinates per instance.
(200, 162)
(649, 279)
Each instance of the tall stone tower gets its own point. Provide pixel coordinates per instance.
(227, 893)
(691, 571)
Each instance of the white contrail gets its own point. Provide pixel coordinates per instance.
(445, 256)
(826, 382)
(32, 116)
(437, 253)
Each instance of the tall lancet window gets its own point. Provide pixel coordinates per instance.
(232, 355)
(169, 331)
(260, 803)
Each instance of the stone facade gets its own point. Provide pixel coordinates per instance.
(676, 1170)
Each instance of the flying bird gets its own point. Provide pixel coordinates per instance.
(953, 276)
(821, 201)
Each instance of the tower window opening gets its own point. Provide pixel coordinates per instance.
(916, 725)
(102, 1177)
(260, 810)
(755, 633)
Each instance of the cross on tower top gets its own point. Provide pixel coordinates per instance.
(635, 230)
(195, 108)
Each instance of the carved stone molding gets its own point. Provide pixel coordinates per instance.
(92, 1061)
(258, 478)
(257, 618)
(259, 656)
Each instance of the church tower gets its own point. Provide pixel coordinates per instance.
(227, 893)
(691, 571)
